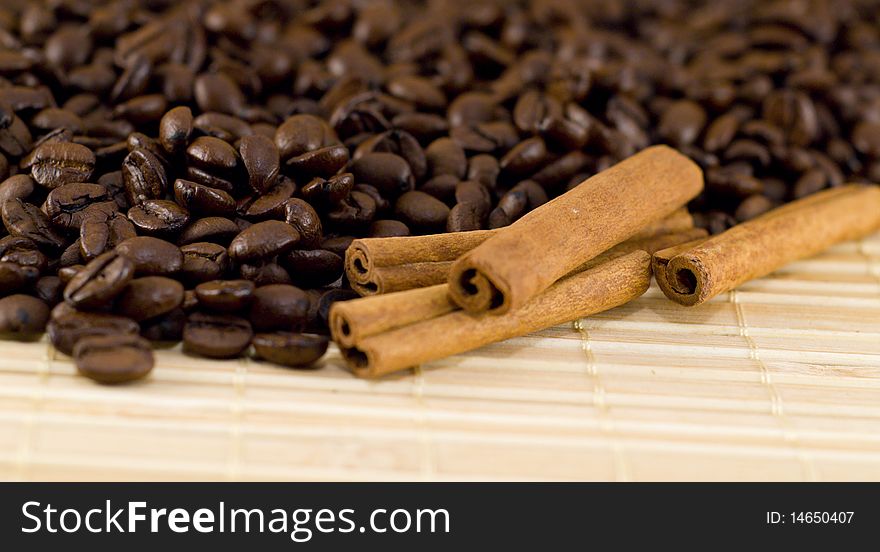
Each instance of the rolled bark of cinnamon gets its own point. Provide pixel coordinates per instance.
(597, 289)
(352, 321)
(384, 265)
(693, 275)
(520, 261)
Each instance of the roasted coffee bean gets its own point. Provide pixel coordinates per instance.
(279, 307)
(752, 207)
(270, 204)
(23, 252)
(101, 232)
(68, 204)
(302, 134)
(151, 256)
(225, 295)
(203, 262)
(312, 268)
(329, 191)
(525, 158)
(323, 162)
(216, 335)
(167, 329)
(212, 229)
(398, 142)
(26, 220)
(357, 211)
(58, 163)
(261, 160)
(556, 173)
(50, 289)
(211, 153)
(159, 217)
(511, 206)
(22, 317)
(144, 176)
(682, 122)
(303, 218)
(149, 297)
(218, 92)
(13, 277)
(483, 169)
(113, 359)
(265, 273)
(388, 229)
(421, 212)
(289, 349)
(445, 156)
(100, 281)
(263, 240)
(464, 217)
(65, 330)
(200, 199)
(19, 186)
(16, 139)
(175, 129)
(66, 274)
(389, 173)
(331, 296)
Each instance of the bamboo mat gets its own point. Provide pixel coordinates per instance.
(779, 380)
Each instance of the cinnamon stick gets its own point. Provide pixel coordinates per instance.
(385, 265)
(597, 289)
(693, 275)
(520, 261)
(352, 321)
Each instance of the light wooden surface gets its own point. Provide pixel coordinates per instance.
(779, 380)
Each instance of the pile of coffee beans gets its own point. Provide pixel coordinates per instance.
(194, 170)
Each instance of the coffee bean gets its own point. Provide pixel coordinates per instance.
(158, 217)
(388, 172)
(357, 211)
(388, 229)
(100, 281)
(279, 307)
(19, 186)
(682, 122)
(263, 240)
(209, 153)
(113, 359)
(261, 160)
(464, 217)
(68, 204)
(525, 158)
(323, 162)
(302, 134)
(50, 289)
(225, 295)
(265, 273)
(313, 267)
(151, 256)
(446, 157)
(329, 191)
(175, 129)
(203, 262)
(331, 296)
(216, 335)
(24, 252)
(166, 329)
(303, 218)
(102, 231)
(22, 317)
(213, 229)
(422, 212)
(270, 204)
(289, 349)
(60, 163)
(144, 176)
(149, 297)
(26, 220)
(66, 330)
(200, 199)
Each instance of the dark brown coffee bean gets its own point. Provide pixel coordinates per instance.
(158, 217)
(211, 153)
(389, 173)
(225, 295)
(175, 129)
(264, 273)
(218, 92)
(149, 297)
(269, 204)
(511, 206)
(113, 359)
(483, 169)
(19, 186)
(166, 329)
(151, 256)
(200, 199)
(330, 191)
(211, 229)
(302, 134)
(445, 156)
(682, 122)
(262, 161)
(225, 127)
(331, 296)
(68, 204)
(388, 229)
(12, 278)
(15, 138)
(101, 232)
(60, 163)
(50, 289)
(312, 268)
(100, 281)
(357, 211)
(323, 162)
(65, 330)
(279, 307)
(22, 317)
(752, 207)
(464, 217)
(216, 335)
(810, 182)
(53, 118)
(866, 138)
(525, 158)
(532, 108)
(23, 252)
(144, 176)
(425, 127)
(289, 349)
(303, 218)
(203, 262)
(26, 220)
(560, 171)
(793, 112)
(263, 240)
(421, 212)
(721, 132)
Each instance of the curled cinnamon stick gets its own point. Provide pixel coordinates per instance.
(520, 261)
(597, 289)
(352, 321)
(693, 275)
(384, 265)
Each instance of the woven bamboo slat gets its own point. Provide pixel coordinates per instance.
(779, 380)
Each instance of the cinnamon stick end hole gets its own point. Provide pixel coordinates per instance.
(467, 282)
(685, 281)
(355, 357)
(359, 266)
